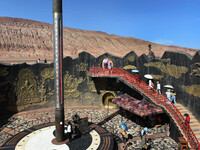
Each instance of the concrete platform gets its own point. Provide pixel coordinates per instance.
(41, 137)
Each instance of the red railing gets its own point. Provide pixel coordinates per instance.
(154, 96)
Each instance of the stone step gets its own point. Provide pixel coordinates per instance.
(195, 125)
(197, 135)
(180, 107)
(194, 120)
(196, 129)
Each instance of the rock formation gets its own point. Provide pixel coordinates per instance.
(27, 40)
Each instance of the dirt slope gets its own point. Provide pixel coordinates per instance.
(27, 40)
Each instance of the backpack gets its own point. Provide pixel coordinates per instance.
(140, 131)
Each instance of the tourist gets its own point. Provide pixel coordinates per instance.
(124, 133)
(142, 131)
(137, 75)
(38, 61)
(144, 141)
(69, 131)
(158, 87)
(151, 83)
(110, 65)
(168, 94)
(45, 60)
(124, 136)
(188, 119)
(105, 63)
(173, 97)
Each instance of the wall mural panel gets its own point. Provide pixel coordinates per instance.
(33, 86)
(172, 70)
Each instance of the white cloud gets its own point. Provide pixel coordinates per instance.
(164, 42)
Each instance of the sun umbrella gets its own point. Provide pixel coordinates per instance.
(135, 70)
(123, 125)
(148, 76)
(169, 86)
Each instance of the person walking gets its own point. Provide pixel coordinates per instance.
(110, 65)
(151, 83)
(158, 88)
(69, 131)
(144, 141)
(168, 94)
(142, 131)
(173, 97)
(45, 60)
(124, 135)
(188, 119)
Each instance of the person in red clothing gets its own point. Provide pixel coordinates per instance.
(188, 119)
(137, 75)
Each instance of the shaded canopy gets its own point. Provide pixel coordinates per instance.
(139, 107)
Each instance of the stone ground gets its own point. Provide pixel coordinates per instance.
(25, 120)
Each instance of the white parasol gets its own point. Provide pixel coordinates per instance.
(169, 86)
(148, 76)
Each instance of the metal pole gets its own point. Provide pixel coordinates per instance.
(58, 71)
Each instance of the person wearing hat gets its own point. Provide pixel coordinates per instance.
(173, 97)
(188, 119)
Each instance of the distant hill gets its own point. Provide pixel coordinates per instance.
(27, 40)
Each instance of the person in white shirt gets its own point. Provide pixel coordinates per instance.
(168, 93)
(158, 87)
(151, 83)
(69, 131)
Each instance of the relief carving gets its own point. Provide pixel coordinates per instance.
(172, 70)
(3, 72)
(131, 58)
(71, 86)
(26, 87)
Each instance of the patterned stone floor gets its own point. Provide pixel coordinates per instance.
(21, 121)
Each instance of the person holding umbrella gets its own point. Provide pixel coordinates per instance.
(173, 97)
(124, 132)
(136, 73)
(144, 141)
(168, 94)
(150, 80)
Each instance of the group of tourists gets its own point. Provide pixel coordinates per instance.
(145, 143)
(107, 64)
(171, 95)
(45, 60)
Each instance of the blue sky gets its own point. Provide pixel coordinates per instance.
(168, 22)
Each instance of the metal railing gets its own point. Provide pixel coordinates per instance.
(154, 96)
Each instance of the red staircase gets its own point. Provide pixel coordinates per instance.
(154, 96)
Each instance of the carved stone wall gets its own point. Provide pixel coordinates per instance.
(24, 87)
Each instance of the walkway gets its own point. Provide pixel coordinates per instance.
(25, 120)
(194, 123)
(153, 96)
